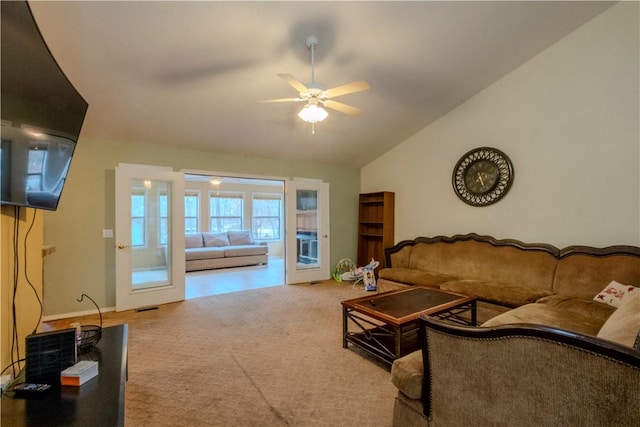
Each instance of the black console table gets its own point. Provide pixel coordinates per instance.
(98, 402)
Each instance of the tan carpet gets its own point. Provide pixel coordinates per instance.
(265, 357)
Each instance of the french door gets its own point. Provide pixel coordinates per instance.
(307, 231)
(149, 236)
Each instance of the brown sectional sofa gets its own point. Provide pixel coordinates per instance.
(548, 292)
(205, 251)
(509, 274)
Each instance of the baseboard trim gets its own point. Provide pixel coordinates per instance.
(76, 314)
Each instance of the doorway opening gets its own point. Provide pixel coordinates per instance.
(216, 204)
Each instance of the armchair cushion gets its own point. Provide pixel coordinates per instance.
(407, 373)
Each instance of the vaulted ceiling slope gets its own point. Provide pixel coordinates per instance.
(191, 74)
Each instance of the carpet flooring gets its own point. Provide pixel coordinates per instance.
(264, 357)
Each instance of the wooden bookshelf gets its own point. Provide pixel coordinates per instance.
(375, 226)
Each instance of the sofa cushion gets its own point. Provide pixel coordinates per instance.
(615, 293)
(623, 325)
(484, 261)
(245, 250)
(203, 253)
(548, 315)
(407, 373)
(579, 306)
(193, 240)
(496, 292)
(216, 240)
(412, 276)
(583, 276)
(242, 237)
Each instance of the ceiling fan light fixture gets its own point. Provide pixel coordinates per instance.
(312, 113)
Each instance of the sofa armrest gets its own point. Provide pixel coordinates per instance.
(526, 375)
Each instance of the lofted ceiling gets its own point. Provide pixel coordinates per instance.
(191, 74)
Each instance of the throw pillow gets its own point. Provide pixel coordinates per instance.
(215, 240)
(615, 293)
(623, 325)
(193, 240)
(242, 237)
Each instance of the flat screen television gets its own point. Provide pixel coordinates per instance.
(41, 114)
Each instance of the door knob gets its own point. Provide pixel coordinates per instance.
(122, 246)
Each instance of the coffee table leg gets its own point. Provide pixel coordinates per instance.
(344, 327)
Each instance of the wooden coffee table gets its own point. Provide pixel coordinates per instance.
(386, 325)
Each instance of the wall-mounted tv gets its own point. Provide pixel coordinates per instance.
(42, 114)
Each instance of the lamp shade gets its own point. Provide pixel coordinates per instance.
(312, 113)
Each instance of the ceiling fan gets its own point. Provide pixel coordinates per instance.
(317, 95)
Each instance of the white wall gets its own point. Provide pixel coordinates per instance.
(569, 121)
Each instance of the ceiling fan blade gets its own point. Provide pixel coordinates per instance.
(343, 108)
(293, 82)
(267, 101)
(345, 89)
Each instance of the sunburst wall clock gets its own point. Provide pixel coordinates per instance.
(482, 176)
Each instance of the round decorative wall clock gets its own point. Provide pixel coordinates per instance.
(482, 176)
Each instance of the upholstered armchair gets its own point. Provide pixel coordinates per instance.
(515, 375)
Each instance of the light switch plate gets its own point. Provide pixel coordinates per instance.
(107, 234)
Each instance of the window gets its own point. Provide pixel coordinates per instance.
(225, 212)
(164, 218)
(191, 212)
(138, 226)
(35, 166)
(266, 216)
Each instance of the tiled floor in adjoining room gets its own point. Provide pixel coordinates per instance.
(225, 280)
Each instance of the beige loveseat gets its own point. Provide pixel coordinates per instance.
(515, 283)
(204, 251)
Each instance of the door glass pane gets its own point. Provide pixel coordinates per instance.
(307, 229)
(150, 233)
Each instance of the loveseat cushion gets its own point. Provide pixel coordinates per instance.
(216, 240)
(193, 240)
(579, 306)
(496, 292)
(412, 276)
(407, 373)
(203, 253)
(245, 250)
(548, 315)
(242, 237)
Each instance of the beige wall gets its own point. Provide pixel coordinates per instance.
(84, 262)
(29, 277)
(569, 121)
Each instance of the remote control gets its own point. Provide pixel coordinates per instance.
(29, 389)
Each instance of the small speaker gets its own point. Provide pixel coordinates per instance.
(48, 354)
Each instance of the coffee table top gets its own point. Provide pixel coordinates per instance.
(398, 307)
